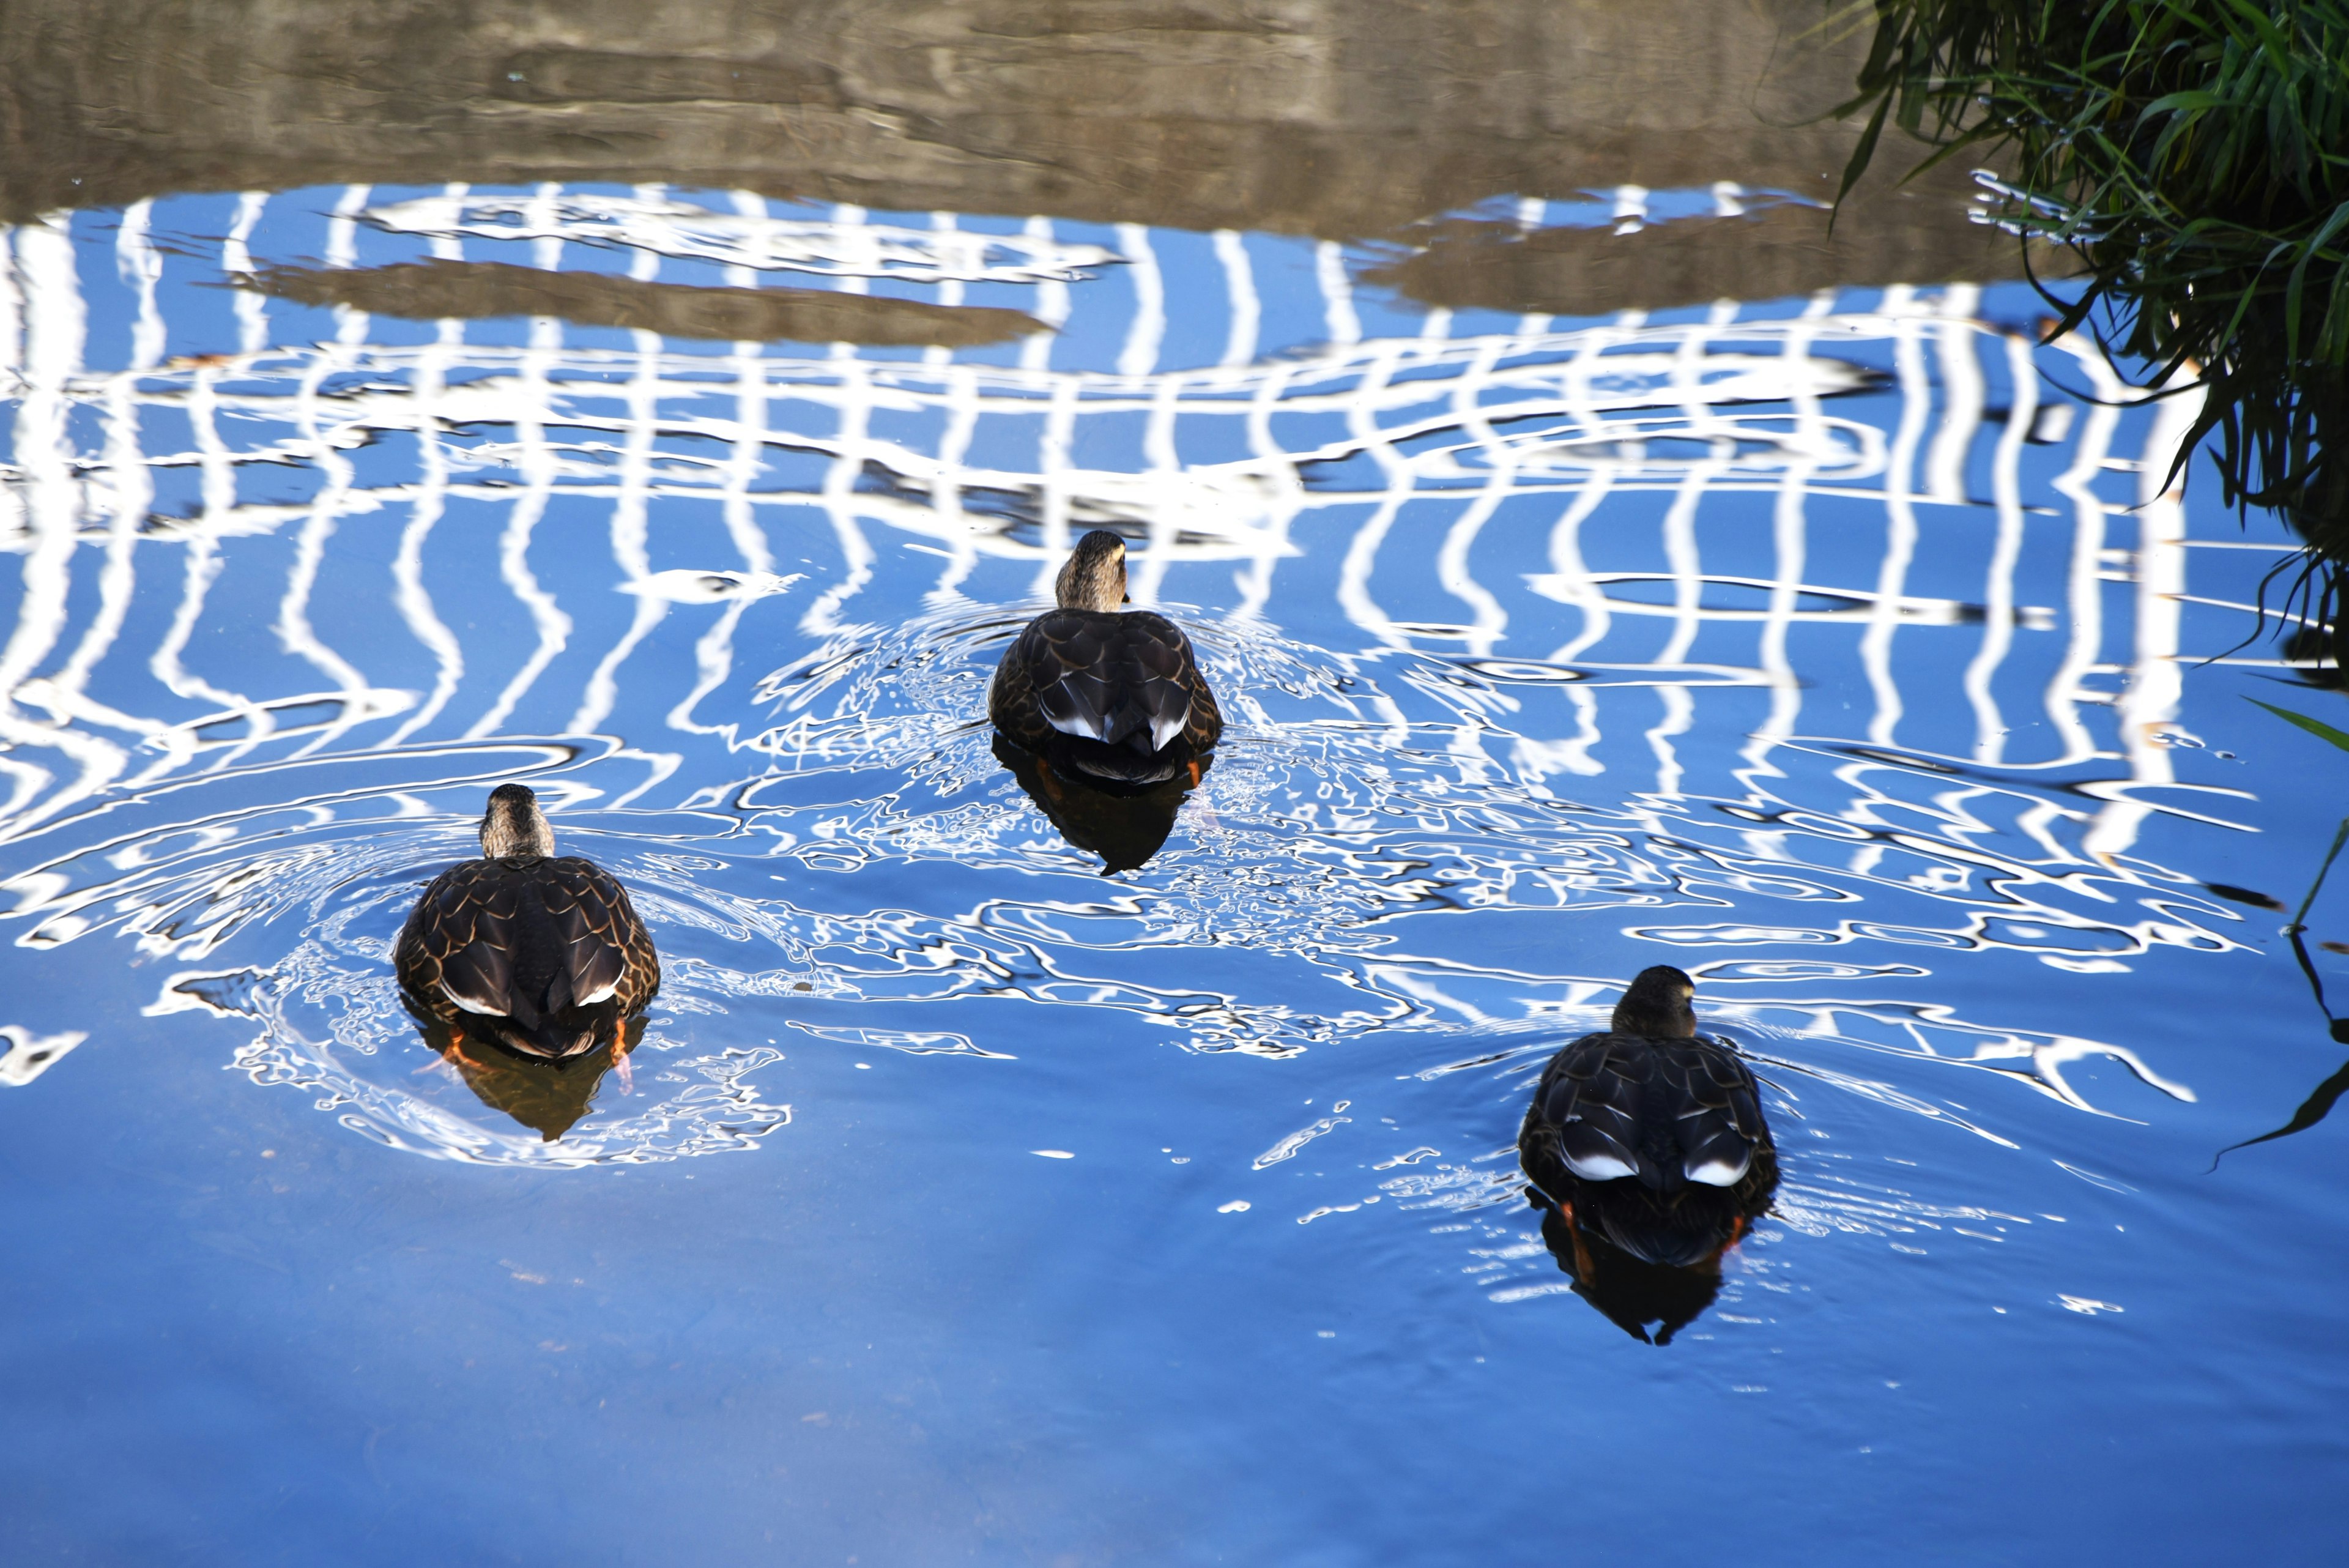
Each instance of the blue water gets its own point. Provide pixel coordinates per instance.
(970, 1205)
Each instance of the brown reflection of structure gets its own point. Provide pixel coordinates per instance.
(1632, 1292)
(435, 290)
(1125, 828)
(1341, 119)
(1766, 254)
(548, 1097)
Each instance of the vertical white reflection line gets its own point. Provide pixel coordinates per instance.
(236, 259)
(1288, 493)
(55, 323)
(140, 267)
(1998, 592)
(2155, 680)
(29, 779)
(1500, 479)
(446, 242)
(294, 627)
(1900, 525)
(1790, 545)
(541, 215)
(1570, 584)
(342, 251)
(1239, 285)
(426, 390)
(537, 463)
(2087, 599)
(1051, 305)
(1962, 383)
(1148, 328)
(1570, 581)
(217, 486)
(951, 289)
(1363, 550)
(945, 491)
(1682, 559)
(1345, 327)
(860, 252)
(12, 313)
(630, 534)
(839, 498)
(1788, 528)
(1166, 515)
(751, 205)
(714, 654)
(1052, 469)
(131, 487)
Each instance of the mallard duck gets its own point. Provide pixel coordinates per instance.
(1116, 696)
(542, 955)
(1650, 1134)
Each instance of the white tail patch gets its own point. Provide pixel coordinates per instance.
(1719, 1172)
(602, 992)
(1164, 729)
(1079, 723)
(1599, 1168)
(469, 1005)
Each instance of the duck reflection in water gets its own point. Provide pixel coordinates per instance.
(1647, 1147)
(1116, 696)
(548, 1097)
(528, 969)
(1125, 827)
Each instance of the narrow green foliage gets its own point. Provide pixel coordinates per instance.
(2194, 154)
(2317, 727)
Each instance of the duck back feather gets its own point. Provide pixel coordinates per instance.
(544, 954)
(1661, 1143)
(1117, 695)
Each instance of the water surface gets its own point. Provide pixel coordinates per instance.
(972, 1202)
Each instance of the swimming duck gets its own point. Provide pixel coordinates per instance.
(1116, 696)
(542, 955)
(1650, 1134)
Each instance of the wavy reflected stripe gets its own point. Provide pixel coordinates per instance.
(1469, 422)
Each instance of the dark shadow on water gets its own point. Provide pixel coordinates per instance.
(1649, 1301)
(1124, 827)
(548, 1097)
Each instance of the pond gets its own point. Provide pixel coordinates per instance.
(1597, 568)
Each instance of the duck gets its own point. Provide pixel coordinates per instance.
(540, 955)
(1115, 697)
(1650, 1135)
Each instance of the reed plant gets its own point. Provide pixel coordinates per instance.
(2194, 156)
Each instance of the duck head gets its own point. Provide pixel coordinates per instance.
(1657, 1006)
(1094, 576)
(514, 826)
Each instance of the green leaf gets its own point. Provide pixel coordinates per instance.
(2317, 727)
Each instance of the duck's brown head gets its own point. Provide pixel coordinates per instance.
(1657, 1005)
(1094, 577)
(514, 826)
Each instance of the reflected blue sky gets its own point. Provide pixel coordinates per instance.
(1840, 651)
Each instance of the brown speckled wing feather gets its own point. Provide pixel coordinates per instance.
(525, 939)
(1128, 680)
(1610, 1101)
